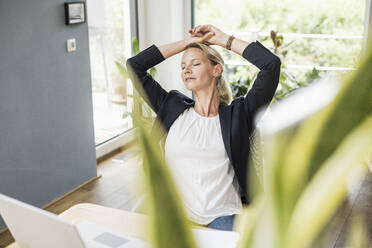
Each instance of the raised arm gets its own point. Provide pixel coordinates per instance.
(138, 65)
(149, 89)
(264, 87)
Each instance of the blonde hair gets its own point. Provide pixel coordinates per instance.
(223, 87)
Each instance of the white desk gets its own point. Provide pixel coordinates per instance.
(127, 223)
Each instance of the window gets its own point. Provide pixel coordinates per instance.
(325, 35)
(108, 40)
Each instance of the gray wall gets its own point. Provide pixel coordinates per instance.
(46, 117)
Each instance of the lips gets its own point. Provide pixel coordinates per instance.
(189, 78)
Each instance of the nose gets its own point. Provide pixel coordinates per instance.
(187, 70)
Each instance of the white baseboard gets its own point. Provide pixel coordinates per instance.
(115, 143)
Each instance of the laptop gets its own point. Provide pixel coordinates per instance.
(33, 227)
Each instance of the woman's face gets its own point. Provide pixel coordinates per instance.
(197, 72)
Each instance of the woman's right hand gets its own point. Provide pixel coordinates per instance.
(219, 38)
(199, 39)
(173, 48)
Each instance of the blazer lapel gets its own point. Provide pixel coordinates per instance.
(225, 121)
(169, 114)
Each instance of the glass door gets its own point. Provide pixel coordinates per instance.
(108, 42)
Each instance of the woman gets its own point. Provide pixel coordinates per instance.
(207, 141)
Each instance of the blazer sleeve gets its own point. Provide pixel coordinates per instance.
(267, 80)
(151, 91)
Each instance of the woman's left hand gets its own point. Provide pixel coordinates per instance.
(218, 38)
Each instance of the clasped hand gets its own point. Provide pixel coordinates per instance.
(207, 34)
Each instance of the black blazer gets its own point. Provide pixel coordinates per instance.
(236, 119)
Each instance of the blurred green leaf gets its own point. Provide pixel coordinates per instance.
(135, 46)
(126, 114)
(152, 71)
(169, 227)
(123, 71)
(246, 223)
(320, 136)
(328, 187)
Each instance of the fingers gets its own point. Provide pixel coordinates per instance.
(191, 32)
(207, 36)
(201, 29)
(203, 33)
(198, 34)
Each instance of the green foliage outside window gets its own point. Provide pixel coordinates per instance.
(337, 17)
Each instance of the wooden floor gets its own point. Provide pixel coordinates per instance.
(118, 188)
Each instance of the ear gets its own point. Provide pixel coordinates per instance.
(217, 70)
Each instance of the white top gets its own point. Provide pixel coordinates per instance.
(200, 167)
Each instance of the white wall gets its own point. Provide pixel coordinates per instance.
(162, 22)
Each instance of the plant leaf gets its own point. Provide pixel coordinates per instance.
(247, 222)
(135, 46)
(328, 188)
(350, 107)
(122, 69)
(320, 135)
(169, 227)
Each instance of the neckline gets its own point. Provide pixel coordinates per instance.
(204, 117)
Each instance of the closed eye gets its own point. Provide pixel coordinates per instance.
(182, 68)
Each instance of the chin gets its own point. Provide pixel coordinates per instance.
(190, 86)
